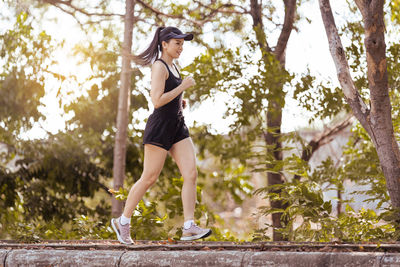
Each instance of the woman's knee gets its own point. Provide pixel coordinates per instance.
(191, 176)
(149, 178)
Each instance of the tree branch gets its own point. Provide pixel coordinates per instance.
(224, 8)
(353, 98)
(290, 10)
(361, 6)
(221, 9)
(323, 139)
(70, 13)
(80, 10)
(159, 13)
(100, 185)
(256, 14)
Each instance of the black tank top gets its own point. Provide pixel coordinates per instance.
(174, 107)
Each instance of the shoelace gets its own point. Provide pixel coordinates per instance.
(125, 233)
(196, 226)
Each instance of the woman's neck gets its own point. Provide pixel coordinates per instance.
(167, 59)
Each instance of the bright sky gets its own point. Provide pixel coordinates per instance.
(306, 49)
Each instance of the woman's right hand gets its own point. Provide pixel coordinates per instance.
(188, 82)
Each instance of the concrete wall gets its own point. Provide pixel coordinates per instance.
(88, 258)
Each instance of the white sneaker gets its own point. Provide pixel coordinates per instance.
(123, 231)
(195, 232)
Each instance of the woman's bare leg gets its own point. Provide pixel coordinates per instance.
(184, 155)
(154, 158)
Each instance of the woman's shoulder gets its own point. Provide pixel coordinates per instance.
(159, 67)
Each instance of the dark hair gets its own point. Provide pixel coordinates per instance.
(162, 34)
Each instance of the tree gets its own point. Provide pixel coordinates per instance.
(376, 119)
(276, 99)
(123, 108)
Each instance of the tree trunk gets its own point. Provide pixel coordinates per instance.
(275, 107)
(381, 116)
(123, 109)
(377, 121)
(272, 138)
(339, 202)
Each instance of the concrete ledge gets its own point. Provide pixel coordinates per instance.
(24, 257)
(183, 258)
(3, 254)
(237, 259)
(303, 259)
(392, 259)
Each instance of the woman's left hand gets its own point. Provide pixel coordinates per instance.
(183, 103)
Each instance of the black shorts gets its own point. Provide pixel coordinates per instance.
(164, 131)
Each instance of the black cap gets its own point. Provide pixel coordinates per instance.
(174, 33)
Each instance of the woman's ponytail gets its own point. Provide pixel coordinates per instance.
(151, 53)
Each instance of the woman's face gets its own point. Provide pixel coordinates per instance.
(173, 47)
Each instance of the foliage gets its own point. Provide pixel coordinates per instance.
(82, 227)
(244, 97)
(395, 11)
(102, 88)
(321, 98)
(25, 59)
(309, 217)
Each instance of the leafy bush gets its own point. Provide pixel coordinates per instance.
(309, 218)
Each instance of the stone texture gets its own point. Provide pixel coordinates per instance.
(350, 259)
(24, 257)
(390, 260)
(3, 253)
(183, 258)
(311, 259)
(206, 257)
(286, 259)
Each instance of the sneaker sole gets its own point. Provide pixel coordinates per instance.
(118, 235)
(194, 237)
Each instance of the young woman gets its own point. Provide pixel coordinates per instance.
(165, 132)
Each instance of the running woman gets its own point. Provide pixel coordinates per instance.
(165, 132)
